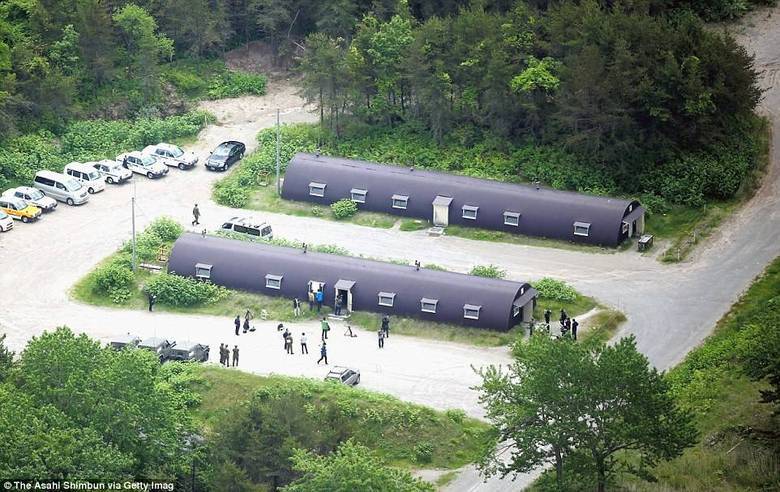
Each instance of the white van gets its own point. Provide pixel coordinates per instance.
(61, 187)
(251, 226)
(87, 175)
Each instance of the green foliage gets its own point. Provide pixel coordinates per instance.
(111, 414)
(556, 290)
(114, 280)
(344, 208)
(178, 291)
(165, 229)
(490, 271)
(456, 415)
(580, 382)
(6, 359)
(351, 467)
(234, 84)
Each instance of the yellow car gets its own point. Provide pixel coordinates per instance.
(19, 209)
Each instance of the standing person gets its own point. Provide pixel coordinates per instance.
(323, 354)
(246, 324)
(547, 314)
(296, 307)
(237, 322)
(568, 324)
(381, 336)
(386, 325)
(235, 355)
(304, 347)
(311, 299)
(574, 326)
(325, 328)
(248, 315)
(338, 305)
(152, 301)
(290, 344)
(221, 354)
(286, 336)
(195, 215)
(319, 297)
(563, 315)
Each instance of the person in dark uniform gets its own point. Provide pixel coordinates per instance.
(195, 215)
(246, 325)
(222, 354)
(574, 326)
(237, 322)
(381, 335)
(152, 301)
(235, 355)
(386, 325)
(547, 314)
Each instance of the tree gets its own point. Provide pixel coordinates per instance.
(582, 407)
(351, 467)
(142, 48)
(6, 359)
(323, 69)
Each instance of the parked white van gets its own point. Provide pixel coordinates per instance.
(87, 175)
(61, 187)
(251, 226)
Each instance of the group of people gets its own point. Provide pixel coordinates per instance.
(568, 325)
(247, 317)
(224, 355)
(289, 342)
(315, 298)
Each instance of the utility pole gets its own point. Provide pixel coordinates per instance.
(278, 138)
(132, 201)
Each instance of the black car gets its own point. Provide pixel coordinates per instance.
(225, 155)
(187, 351)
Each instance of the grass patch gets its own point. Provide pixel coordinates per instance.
(409, 225)
(445, 479)
(387, 425)
(739, 446)
(266, 199)
(478, 234)
(579, 306)
(602, 326)
(197, 79)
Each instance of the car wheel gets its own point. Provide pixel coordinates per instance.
(2, 229)
(150, 175)
(91, 191)
(110, 180)
(25, 219)
(182, 166)
(357, 381)
(69, 201)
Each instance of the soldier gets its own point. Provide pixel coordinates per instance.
(235, 355)
(290, 344)
(195, 215)
(152, 301)
(221, 354)
(237, 322)
(386, 325)
(246, 325)
(574, 326)
(547, 314)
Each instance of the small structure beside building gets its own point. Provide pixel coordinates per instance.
(361, 284)
(447, 199)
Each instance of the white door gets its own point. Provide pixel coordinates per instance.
(441, 211)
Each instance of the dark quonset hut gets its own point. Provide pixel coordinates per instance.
(362, 284)
(446, 199)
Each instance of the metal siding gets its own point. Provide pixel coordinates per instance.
(544, 212)
(243, 265)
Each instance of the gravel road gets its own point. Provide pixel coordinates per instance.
(670, 309)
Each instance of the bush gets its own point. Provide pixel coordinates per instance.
(230, 195)
(556, 290)
(174, 290)
(490, 271)
(316, 211)
(423, 452)
(344, 208)
(234, 84)
(115, 281)
(166, 229)
(456, 415)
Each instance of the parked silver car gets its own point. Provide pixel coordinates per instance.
(112, 171)
(142, 164)
(61, 187)
(344, 375)
(171, 155)
(34, 196)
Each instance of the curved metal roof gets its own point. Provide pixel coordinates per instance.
(544, 212)
(244, 265)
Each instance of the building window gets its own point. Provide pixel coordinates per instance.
(202, 271)
(470, 212)
(358, 195)
(515, 310)
(471, 311)
(317, 189)
(400, 201)
(428, 305)
(386, 299)
(582, 229)
(522, 290)
(273, 281)
(511, 218)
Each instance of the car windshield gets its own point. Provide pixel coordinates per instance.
(176, 151)
(17, 204)
(222, 150)
(72, 185)
(3, 215)
(36, 194)
(93, 176)
(148, 160)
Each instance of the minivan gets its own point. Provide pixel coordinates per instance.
(61, 187)
(87, 175)
(250, 226)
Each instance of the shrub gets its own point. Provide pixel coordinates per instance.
(114, 281)
(174, 290)
(230, 195)
(556, 290)
(234, 84)
(490, 271)
(316, 211)
(166, 229)
(423, 452)
(344, 208)
(456, 415)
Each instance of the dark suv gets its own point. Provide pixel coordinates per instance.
(159, 346)
(124, 341)
(186, 350)
(225, 155)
